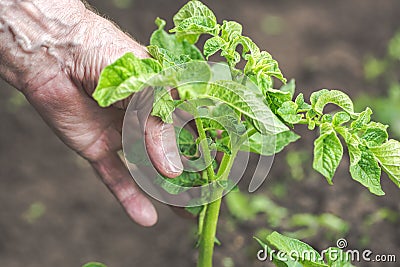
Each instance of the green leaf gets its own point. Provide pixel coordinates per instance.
(311, 125)
(191, 28)
(226, 123)
(163, 105)
(94, 264)
(193, 106)
(328, 152)
(230, 38)
(388, 155)
(336, 257)
(335, 97)
(352, 142)
(165, 57)
(192, 79)
(221, 147)
(288, 112)
(275, 98)
(195, 210)
(186, 142)
(354, 151)
(181, 183)
(231, 33)
(302, 106)
(340, 118)
(316, 95)
(260, 68)
(249, 47)
(289, 87)
(268, 145)
(230, 30)
(220, 71)
(168, 50)
(223, 117)
(306, 254)
(326, 118)
(362, 119)
(367, 172)
(125, 76)
(247, 102)
(194, 19)
(213, 45)
(222, 109)
(375, 134)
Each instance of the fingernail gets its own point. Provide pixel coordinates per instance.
(174, 163)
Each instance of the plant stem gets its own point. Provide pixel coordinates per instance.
(209, 227)
(247, 135)
(205, 149)
(251, 132)
(209, 230)
(244, 80)
(207, 238)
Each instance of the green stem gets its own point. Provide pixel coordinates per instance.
(207, 238)
(251, 132)
(209, 227)
(231, 69)
(209, 230)
(247, 135)
(303, 121)
(205, 148)
(244, 80)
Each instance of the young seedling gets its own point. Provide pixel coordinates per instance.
(242, 112)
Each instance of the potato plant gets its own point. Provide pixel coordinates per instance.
(243, 112)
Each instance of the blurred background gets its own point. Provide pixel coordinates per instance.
(55, 212)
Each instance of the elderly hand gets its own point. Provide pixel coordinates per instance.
(54, 51)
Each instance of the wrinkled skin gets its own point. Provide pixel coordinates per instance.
(59, 85)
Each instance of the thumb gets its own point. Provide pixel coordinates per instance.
(161, 145)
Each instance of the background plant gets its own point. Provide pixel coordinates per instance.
(384, 72)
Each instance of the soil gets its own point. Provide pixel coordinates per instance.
(320, 43)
